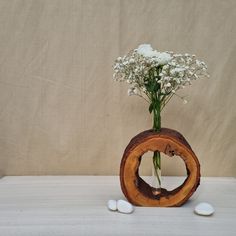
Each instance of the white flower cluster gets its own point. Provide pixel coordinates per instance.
(168, 70)
(180, 71)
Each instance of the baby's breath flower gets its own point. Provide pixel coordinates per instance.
(144, 67)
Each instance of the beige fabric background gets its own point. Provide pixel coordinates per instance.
(61, 112)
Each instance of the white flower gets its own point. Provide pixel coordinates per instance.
(146, 50)
(164, 58)
(131, 60)
(145, 66)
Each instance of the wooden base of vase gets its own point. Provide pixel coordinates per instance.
(170, 142)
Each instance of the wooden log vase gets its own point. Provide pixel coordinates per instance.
(170, 142)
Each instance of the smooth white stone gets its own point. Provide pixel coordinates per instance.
(124, 207)
(112, 205)
(204, 209)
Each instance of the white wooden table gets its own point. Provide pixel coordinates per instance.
(76, 205)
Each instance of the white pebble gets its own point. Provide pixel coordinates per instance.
(124, 207)
(204, 209)
(112, 205)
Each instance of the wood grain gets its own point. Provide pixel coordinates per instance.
(170, 142)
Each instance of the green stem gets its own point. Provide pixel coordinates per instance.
(157, 127)
(157, 166)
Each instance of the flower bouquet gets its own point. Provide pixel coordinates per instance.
(156, 77)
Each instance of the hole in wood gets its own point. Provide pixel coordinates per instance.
(167, 164)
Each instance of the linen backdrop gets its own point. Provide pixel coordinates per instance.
(62, 113)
